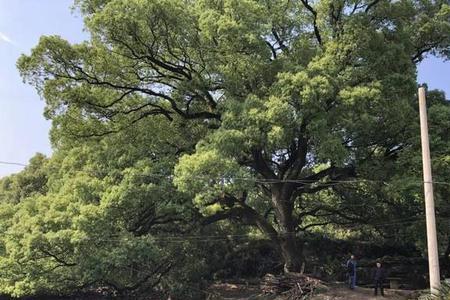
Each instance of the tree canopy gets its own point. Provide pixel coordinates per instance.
(282, 115)
(288, 91)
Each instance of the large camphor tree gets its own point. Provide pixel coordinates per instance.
(288, 97)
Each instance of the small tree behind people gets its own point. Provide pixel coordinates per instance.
(351, 271)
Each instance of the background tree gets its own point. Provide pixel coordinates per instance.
(101, 213)
(409, 168)
(286, 97)
(389, 208)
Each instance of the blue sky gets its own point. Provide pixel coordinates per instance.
(23, 129)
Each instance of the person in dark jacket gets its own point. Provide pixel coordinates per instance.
(379, 275)
(351, 271)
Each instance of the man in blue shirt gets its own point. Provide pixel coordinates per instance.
(351, 271)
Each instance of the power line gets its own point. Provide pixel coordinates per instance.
(12, 163)
(264, 180)
(304, 181)
(224, 237)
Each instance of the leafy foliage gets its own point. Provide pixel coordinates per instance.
(287, 116)
(103, 220)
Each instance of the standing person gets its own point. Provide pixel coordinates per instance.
(379, 275)
(351, 271)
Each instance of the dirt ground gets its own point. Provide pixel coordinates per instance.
(343, 293)
(335, 292)
(233, 291)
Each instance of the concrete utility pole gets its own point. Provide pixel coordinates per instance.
(433, 256)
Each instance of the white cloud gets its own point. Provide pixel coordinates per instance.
(5, 38)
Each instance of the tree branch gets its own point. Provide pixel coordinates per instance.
(314, 13)
(57, 259)
(334, 173)
(371, 4)
(260, 165)
(244, 212)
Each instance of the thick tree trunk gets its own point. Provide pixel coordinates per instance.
(290, 247)
(292, 254)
